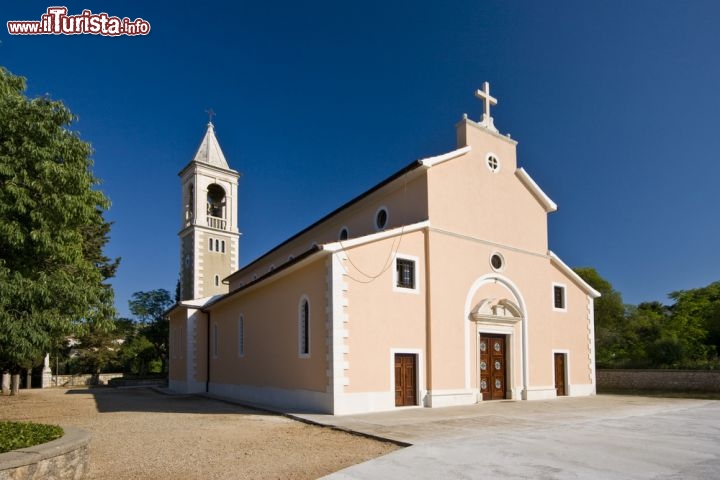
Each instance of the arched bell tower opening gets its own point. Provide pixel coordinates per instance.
(216, 206)
(189, 204)
(209, 235)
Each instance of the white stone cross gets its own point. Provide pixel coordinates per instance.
(211, 113)
(488, 101)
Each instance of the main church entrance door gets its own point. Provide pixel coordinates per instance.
(493, 371)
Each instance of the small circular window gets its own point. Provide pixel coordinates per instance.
(343, 234)
(497, 262)
(493, 163)
(381, 218)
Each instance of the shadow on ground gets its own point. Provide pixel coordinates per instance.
(151, 400)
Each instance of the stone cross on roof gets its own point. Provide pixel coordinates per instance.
(488, 101)
(211, 113)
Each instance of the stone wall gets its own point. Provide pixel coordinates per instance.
(66, 458)
(77, 380)
(670, 380)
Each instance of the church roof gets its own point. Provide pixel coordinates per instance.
(209, 150)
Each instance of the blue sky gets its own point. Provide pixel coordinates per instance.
(614, 104)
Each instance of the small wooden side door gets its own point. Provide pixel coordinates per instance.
(560, 387)
(405, 380)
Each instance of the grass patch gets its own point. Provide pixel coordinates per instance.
(16, 435)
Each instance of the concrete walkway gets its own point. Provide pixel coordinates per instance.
(594, 437)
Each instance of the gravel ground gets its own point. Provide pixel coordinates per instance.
(144, 434)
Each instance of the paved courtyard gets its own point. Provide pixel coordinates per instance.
(603, 437)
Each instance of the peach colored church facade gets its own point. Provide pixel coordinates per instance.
(434, 288)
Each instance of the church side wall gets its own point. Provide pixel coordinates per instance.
(177, 371)
(406, 204)
(268, 367)
(383, 320)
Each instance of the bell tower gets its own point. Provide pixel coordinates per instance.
(209, 234)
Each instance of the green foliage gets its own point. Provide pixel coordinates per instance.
(609, 318)
(99, 346)
(16, 435)
(144, 349)
(652, 335)
(51, 229)
(137, 355)
(150, 306)
(697, 316)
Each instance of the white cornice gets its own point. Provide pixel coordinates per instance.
(555, 260)
(206, 166)
(432, 161)
(338, 246)
(537, 192)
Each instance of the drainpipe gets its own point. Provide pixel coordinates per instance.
(207, 375)
(428, 324)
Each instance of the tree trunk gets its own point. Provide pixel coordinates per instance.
(6, 383)
(28, 379)
(15, 384)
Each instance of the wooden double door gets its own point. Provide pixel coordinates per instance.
(405, 379)
(493, 368)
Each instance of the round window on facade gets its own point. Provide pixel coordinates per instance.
(381, 218)
(343, 234)
(493, 163)
(497, 262)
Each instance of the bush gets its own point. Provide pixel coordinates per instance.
(16, 435)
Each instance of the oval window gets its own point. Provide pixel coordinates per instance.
(381, 219)
(496, 261)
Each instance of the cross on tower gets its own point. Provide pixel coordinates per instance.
(211, 113)
(488, 101)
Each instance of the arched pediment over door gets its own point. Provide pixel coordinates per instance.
(495, 306)
(491, 310)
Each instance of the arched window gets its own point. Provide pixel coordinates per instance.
(304, 328)
(216, 336)
(222, 246)
(241, 336)
(217, 245)
(210, 244)
(190, 205)
(217, 280)
(216, 201)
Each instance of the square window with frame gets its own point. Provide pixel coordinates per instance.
(405, 274)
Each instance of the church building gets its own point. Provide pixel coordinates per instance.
(435, 287)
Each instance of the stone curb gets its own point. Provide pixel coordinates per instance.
(73, 440)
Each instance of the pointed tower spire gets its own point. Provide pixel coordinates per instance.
(209, 150)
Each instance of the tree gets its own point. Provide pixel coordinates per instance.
(97, 348)
(149, 308)
(648, 345)
(610, 341)
(696, 319)
(52, 229)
